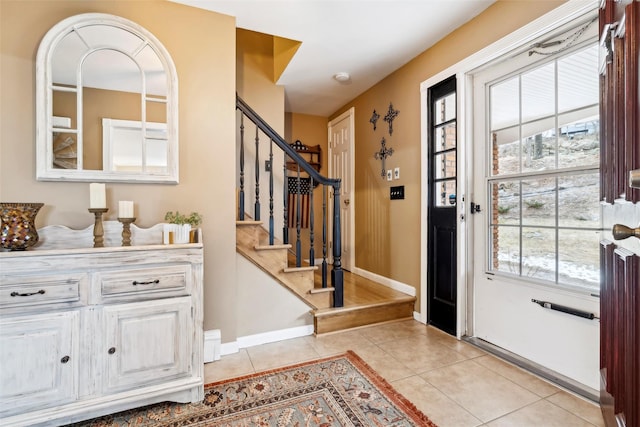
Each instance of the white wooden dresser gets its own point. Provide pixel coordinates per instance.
(89, 331)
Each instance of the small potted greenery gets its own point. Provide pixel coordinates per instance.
(181, 227)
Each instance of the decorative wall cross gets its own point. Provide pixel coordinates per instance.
(383, 154)
(374, 118)
(391, 114)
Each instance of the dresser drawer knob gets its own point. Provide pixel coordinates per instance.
(112, 350)
(150, 282)
(27, 294)
(65, 359)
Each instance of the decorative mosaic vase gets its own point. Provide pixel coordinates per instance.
(18, 230)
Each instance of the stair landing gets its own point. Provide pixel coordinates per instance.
(365, 303)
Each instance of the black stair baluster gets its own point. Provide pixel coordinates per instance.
(311, 236)
(285, 192)
(241, 195)
(337, 275)
(324, 236)
(298, 217)
(271, 224)
(256, 209)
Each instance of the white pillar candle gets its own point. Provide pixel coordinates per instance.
(125, 209)
(97, 196)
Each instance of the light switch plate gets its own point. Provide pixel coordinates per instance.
(389, 174)
(397, 193)
(396, 173)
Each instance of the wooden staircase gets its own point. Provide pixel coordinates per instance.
(365, 302)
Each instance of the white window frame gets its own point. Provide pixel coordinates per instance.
(555, 173)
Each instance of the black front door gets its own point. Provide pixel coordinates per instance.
(441, 264)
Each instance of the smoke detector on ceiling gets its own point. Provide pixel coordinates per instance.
(342, 77)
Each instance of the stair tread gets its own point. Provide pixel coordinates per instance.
(248, 222)
(320, 290)
(296, 269)
(271, 247)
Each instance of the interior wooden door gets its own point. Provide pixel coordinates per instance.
(620, 259)
(341, 166)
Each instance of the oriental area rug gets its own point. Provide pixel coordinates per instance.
(334, 391)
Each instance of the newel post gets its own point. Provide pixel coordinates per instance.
(337, 275)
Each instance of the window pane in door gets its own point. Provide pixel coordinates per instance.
(445, 137)
(538, 93)
(579, 201)
(506, 202)
(579, 141)
(539, 253)
(445, 165)
(539, 202)
(446, 193)
(505, 249)
(539, 145)
(505, 103)
(579, 258)
(578, 80)
(505, 154)
(445, 109)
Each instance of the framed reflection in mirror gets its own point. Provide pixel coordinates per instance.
(96, 72)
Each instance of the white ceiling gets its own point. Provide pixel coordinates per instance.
(369, 39)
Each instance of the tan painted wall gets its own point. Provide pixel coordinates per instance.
(202, 45)
(387, 234)
(256, 87)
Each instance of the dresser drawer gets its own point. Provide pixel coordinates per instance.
(164, 280)
(36, 290)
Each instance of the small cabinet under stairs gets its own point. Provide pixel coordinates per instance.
(89, 331)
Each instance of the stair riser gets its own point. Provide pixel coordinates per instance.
(248, 235)
(339, 321)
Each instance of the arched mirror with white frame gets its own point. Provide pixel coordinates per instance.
(95, 72)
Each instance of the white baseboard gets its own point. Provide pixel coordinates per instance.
(265, 338)
(212, 345)
(229, 348)
(274, 336)
(390, 283)
(420, 317)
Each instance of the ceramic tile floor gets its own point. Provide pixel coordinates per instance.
(453, 382)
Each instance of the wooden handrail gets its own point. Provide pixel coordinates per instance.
(280, 142)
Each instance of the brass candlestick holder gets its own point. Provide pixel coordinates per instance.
(98, 229)
(126, 230)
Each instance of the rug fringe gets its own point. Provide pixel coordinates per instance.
(381, 382)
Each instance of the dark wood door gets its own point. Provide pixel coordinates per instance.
(441, 264)
(620, 263)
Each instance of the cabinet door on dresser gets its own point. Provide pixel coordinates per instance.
(38, 361)
(147, 342)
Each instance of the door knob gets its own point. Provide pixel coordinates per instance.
(622, 232)
(347, 201)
